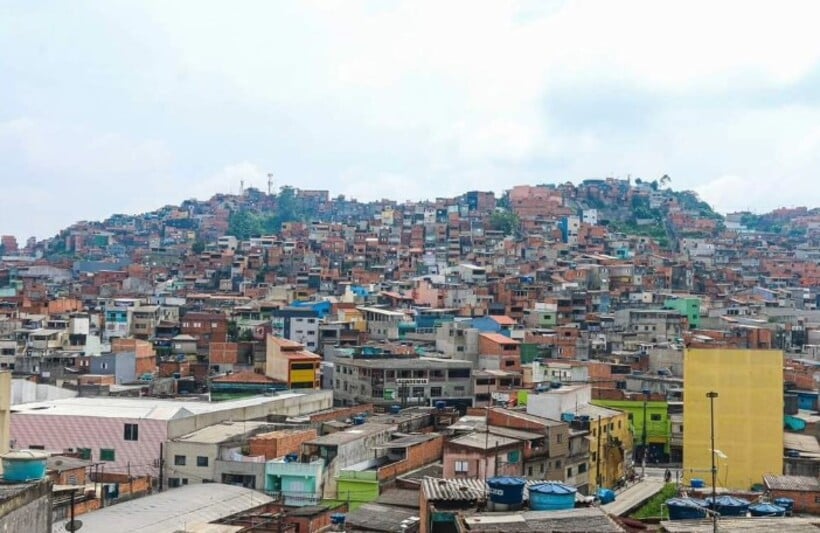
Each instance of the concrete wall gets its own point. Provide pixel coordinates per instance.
(29, 510)
(243, 468)
(190, 471)
(552, 404)
(24, 391)
(290, 406)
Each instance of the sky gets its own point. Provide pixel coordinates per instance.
(124, 107)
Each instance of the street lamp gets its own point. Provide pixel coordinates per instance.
(712, 395)
(646, 393)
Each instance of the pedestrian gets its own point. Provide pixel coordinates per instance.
(667, 476)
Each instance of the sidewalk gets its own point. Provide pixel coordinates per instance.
(633, 496)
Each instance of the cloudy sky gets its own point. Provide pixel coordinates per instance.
(122, 107)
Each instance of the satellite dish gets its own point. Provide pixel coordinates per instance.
(73, 525)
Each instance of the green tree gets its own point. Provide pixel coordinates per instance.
(504, 221)
(244, 224)
(198, 246)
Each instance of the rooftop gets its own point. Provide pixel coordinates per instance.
(406, 362)
(148, 408)
(792, 525)
(171, 511)
(796, 483)
(222, 432)
(350, 435)
(498, 338)
(377, 517)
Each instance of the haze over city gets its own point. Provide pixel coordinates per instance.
(125, 107)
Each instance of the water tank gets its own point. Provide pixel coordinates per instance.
(785, 503)
(552, 497)
(766, 509)
(24, 465)
(358, 420)
(291, 458)
(506, 493)
(686, 508)
(728, 505)
(441, 404)
(337, 522)
(605, 496)
(567, 417)
(697, 483)
(395, 409)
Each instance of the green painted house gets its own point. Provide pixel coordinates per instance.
(658, 426)
(688, 307)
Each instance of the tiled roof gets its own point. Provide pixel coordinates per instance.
(797, 483)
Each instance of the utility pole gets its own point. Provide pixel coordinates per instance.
(712, 395)
(161, 466)
(643, 447)
(598, 456)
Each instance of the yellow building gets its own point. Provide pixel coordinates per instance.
(748, 415)
(609, 432)
(610, 446)
(289, 362)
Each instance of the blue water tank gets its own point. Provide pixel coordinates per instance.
(728, 505)
(358, 420)
(686, 508)
(506, 492)
(567, 417)
(697, 483)
(785, 503)
(766, 509)
(552, 497)
(337, 519)
(291, 458)
(605, 496)
(395, 409)
(24, 465)
(441, 404)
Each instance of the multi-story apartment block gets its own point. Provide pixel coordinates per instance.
(402, 381)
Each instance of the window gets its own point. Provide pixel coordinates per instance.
(559, 438)
(107, 454)
(655, 418)
(594, 456)
(85, 453)
(582, 468)
(558, 464)
(173, 482)
(435, 391)
(185, 481)
(569, 472)
(542, 467)
(36, 447)
(462, 467)
(594, 432)
(179, 460)
(529, 471)
(509, 362)
(131, 432)
(201, 461)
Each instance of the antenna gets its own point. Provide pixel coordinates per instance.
(270, 183)
(241, 187)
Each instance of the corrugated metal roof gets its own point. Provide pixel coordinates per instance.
(466, 489)
(172, 510)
